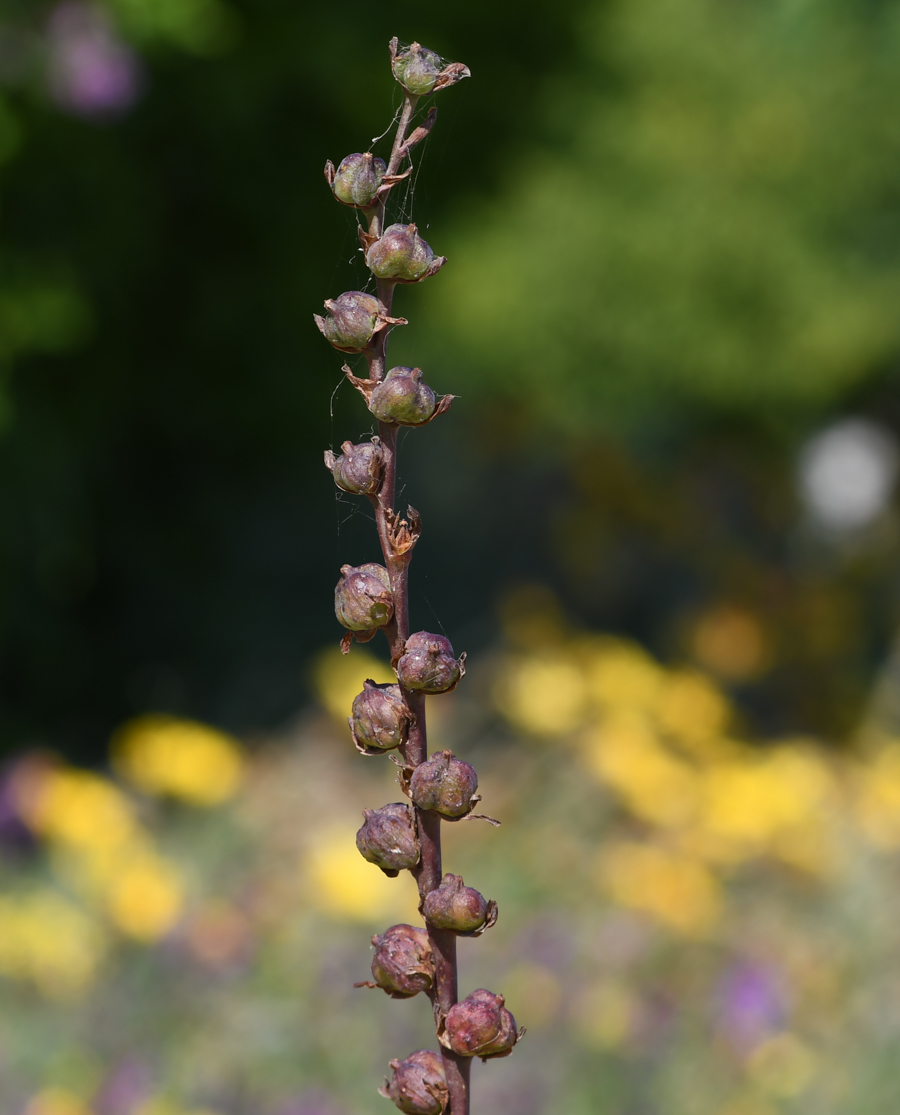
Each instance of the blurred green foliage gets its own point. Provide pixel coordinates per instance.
(673, 249)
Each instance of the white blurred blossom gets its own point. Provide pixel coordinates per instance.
(847, 474)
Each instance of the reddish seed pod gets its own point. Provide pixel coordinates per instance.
(359, 467)
(418, 1086)
(388, 838)
(379, 719)
(362, 598)
(455, 906)
(480, 1026)
(445, 784)
(428, 664)
(403, 964)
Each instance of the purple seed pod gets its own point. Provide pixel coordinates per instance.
(480, 1026)
(359, 467)
(356, 180)
(403, 964)
(401, 254)
(428, 664)
(388, 838)
(418, 1086)
(362, 598)
(445, 784)
(403, 398)
(458, 907)
(421, 71)
(353, 321)
(380, 718)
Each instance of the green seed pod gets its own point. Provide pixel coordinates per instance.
(354, 320)
(379, 719)
(458, 907)
(445, 784)
(400, 253)
(362, 598)
(356, 180)
(418, 1086)
(388, 838)
(403, 964)
(359, 468)
(480, 1026)
(421, 71)
(403, 398)
(428, 665)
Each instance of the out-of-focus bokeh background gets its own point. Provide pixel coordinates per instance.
(661, 517)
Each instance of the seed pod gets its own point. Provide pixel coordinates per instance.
(388, 838)
(458, 907)
(403, 964)
(357, 178)
(418, 1086)
(480, 1026)
(401, 254)
(362, 598)
(380, 718)
(354, 320)
(403, 398)
(427, 664)
(359, 467)
(445, 784)
(420, 71)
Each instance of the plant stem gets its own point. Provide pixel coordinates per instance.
(429, 872)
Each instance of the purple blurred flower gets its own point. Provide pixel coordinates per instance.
(90, 71)
(14, 833)
(751, 1003)
(128, 1084)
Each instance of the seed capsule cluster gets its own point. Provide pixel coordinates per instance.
(388, 717)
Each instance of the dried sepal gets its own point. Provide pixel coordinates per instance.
(389, 838)
(418, 1085)
(479, 1026)
(459, 908)
(403, 534)
(422, 71)
(379, 718)
(354, 320)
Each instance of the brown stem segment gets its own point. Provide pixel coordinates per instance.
(429, 873)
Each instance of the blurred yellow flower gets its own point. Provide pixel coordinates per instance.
(626, 754)
(56, 1101)
(876, 797)
(605, 1015)
(679, 892)
(620, 673)
(770, 802)
(544, 695)
(50, 942)
(694, 711)
(188, 760)
(78, 808)
(783, 1065)
(344, 885)
(145, 897)
(339, 677)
